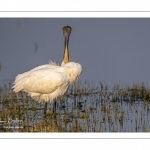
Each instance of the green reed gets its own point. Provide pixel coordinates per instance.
(86, 107)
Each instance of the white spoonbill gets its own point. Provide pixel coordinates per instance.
(49, 82)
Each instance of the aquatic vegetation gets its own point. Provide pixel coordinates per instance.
(85, 107)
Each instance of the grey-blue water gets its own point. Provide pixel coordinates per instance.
(85, 110)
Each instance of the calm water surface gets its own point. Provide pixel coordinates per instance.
(86, 110)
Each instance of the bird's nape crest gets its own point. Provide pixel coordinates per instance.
(53, 63)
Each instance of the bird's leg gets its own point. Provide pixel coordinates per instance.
(45, 108)
(54, 107)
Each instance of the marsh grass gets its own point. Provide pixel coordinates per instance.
(85, 107)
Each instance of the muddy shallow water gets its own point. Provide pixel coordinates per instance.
(82, 109)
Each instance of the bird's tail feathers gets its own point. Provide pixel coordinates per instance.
(18, 83)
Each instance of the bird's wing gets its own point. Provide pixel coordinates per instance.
(21, 76)
(42, 81)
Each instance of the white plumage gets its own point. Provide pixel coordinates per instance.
(51, 81)
(48, 82)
